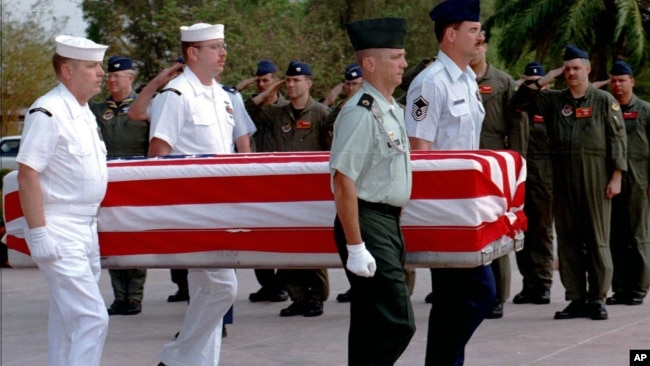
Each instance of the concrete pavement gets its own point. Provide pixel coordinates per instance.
(527, 335)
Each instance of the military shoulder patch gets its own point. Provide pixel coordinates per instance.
(171, 90)
(615, 107)
(42, 110)
(366, 101)
(229, 89)
(420, 108)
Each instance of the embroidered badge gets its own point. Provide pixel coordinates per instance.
(125, 110)
(286, 126)
(615, 106)
(583, 112)
(228, 108)
(630, 115)
(108, 114)
(538, 118)
(420, 108)
(303, 124)
(485, 89)
(567, 110)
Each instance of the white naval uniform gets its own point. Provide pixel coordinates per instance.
(243, 123)
(61, 141)
(444, 106)
(199, 120)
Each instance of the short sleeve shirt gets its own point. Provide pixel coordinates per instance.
(370, 146)
(62, 142)
(444, 106)
(193, 118)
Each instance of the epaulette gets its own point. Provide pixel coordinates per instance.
(40, 109)
(366, 101)
(230, 89)
(170, 89)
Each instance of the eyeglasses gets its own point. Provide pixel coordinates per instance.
(473, 31)
(215, 47)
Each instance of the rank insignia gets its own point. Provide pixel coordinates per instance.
(567, 110)
(108, 114)
(615, 106)
(303, 124)
(420, 107)
(286, 126)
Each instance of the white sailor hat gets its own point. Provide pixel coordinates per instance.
(79, 48)
(201, 32)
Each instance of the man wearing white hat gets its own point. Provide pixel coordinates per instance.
(62, 178)
(194, 115)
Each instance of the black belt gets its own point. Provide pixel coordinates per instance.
(381, 207)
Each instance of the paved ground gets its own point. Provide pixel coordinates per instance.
(527, 335)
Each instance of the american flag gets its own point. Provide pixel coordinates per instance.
(277, 211)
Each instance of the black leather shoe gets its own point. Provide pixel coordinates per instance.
(597, 312)
(496, 312)
(296, 308)
(635, 300)
(530, 297)
(179, 296)
(132, 308)
(161, 364)
(429, 298)
(314, 308)
(617, 299)
(266, 295)
(576, 309)
(344, 297)
(117, 308)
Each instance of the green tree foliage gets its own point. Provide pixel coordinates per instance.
(26, 65)
(607, 29)
(281, 30)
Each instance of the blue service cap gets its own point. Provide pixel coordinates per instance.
(572, 52)
(353, 71)
(450, 11)
(119, 63)
(265, 67)
(298, 68)
(377, 33)
(534, 68)
(620, 67)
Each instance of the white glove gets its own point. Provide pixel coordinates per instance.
(42, 248)
(360, 261)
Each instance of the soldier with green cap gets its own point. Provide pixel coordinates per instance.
(630, 236)
(588, 140)
(371, 180)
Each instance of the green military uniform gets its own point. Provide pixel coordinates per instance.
(123, 138)
(503, 128)
(588, 141)
(630, 237)
(371, 147)
(263, 139)
(306, 132)
(535, 260)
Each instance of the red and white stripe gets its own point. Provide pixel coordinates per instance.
(256, 210)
